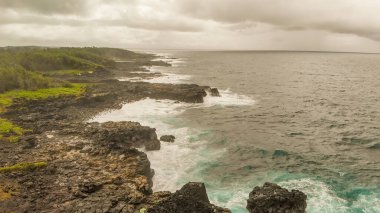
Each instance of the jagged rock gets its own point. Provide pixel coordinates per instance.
(157, 197)
(30, 141)
(89, 187)
(272, 198)
(123, 135)
(152, 145)
(167, 138)
(197, 190)
(214, 92)
(192, 197)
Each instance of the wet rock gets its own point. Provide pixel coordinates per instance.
(167, 138)
(123, 135)
(272, 198)
(214, 92)
(190, 93)
(192, 197)
(152, 145)
(197, 190)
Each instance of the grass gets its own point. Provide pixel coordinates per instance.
(33, 73)
(6, 99)
(67, 72)
(16, 77)
(73, 89)
(22, 167)
(11, 132)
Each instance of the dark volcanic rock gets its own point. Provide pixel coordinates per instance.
(167, 138)
(30, 141)
(214, 92)
(123, 135)
(192, 197)
(272, 198)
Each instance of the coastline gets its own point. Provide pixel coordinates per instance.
(92, 166)
(79, 169)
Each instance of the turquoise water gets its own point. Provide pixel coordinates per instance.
(314, 126)
(307, 121)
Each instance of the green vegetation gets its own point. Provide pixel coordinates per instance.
(72, 89)
(9, 131)
(22, 167)
(30, 68)
(6, 98)
(68, 72)
(18, 78)
(32, 73)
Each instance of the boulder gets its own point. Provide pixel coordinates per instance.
(214, 92)
(192, 197)
(152, 145)
(167, 138)
(123, 135)
(273, 198)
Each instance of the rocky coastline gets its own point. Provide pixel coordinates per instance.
(97, 167)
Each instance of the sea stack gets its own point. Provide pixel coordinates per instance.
(273, 198)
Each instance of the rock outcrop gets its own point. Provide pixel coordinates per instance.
(214, 92)
(192, 197)
(167, 138)
(123, 135)
(273, 198)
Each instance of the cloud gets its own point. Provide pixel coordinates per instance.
(337, 16)
(47, 6)
(338, 25)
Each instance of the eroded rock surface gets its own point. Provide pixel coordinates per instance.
(273, 198)
(125, 134)
(167, 138)
(192, 197)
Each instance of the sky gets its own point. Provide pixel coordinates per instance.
(314, 25)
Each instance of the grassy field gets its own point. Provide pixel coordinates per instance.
(32, 73)
(11, 132)
(31, 68)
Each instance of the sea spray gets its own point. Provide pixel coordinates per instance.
(227, 98)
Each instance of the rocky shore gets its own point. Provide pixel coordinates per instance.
(78, 166)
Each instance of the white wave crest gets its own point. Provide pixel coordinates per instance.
(228, 98)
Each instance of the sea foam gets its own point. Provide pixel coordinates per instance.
(173, 160)
(228, 98)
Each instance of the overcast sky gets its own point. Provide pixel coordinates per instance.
(327, 25)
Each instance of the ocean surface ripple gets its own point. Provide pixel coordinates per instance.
(308, 121)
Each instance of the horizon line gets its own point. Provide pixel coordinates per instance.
(203, 50)
(252, 50)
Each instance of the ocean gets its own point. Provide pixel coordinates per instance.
(304, 120)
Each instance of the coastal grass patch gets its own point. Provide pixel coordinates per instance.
(68, 72)
(15, 77)
(27, 166)
(9, 131)
(6, 99)
(71, 89)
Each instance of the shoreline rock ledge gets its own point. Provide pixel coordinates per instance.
(191, 198)
(273, 198)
